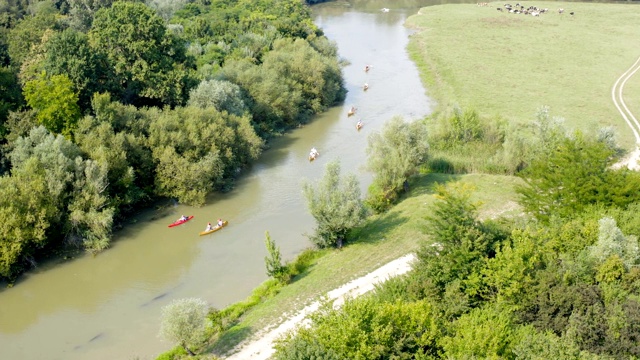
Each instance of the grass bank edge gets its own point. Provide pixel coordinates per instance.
(381, 239)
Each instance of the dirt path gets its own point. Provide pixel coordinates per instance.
(632, 160)
(262, 348)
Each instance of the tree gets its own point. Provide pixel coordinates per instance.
(148, 62)
(197, 150)
(574, 174)
(27, 211)
(273, 261)
(55, 102)
(218, 94)
(10, 96)
(27, 33)
(460, 244)
(336, 205)
(394, 156)
(611, 241)
(83, 11)
(166, 8)
(483, 333)
(184, 321)
(365, 328)
(90, 217)
(69, 53)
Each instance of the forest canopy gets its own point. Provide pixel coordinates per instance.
(109, 105)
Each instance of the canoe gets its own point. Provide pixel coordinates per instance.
(216, 228)
(358, 126)
(180, 222)
(351, 112)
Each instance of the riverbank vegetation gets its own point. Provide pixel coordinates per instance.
(107, 107)
(559, 280)
(552, 271)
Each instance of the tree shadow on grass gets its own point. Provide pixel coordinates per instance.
(425, 184)
(375, 231)
(229, 339)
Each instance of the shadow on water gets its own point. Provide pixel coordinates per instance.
(93, 339)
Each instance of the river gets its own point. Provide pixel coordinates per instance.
(108, 306)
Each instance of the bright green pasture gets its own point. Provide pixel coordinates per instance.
(509, 65)
(383, 238)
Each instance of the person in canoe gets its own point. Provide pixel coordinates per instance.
(367, 68)
(365, 87)
(359, 124)
(351, 111)
(220, 223)
(183, 218)
(209, 227)
(313, 153)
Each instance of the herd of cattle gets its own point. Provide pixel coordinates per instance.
(520, 9)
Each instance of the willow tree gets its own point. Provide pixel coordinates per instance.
(336, 205)
(394, 155)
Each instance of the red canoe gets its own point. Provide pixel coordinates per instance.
(180, 222)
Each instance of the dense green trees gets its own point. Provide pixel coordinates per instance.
(148, 62)
(114, 77)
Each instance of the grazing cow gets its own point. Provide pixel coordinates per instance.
(560, 11)
(499, 9)
(571, 13)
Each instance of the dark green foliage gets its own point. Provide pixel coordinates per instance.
(572, 176)
(483, 333)
(300, 348)
(460, 244)
(69, 53)
(149, 64)
(10, 96)
(367, 329)
(26, 34)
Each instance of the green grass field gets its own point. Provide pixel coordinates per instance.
(510, 65)
(383, 238)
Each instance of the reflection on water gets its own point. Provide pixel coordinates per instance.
(108, 306)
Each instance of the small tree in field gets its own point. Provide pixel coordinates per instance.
(273, 262)
(336, 205)
(184, 322)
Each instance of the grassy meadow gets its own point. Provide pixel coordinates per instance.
(509, 65)
(381, 239)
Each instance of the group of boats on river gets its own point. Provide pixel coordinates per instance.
(208, 230)
(314, 153)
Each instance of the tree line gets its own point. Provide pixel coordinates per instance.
(106, 106)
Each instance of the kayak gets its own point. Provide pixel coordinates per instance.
(180, 222)
(215, 228)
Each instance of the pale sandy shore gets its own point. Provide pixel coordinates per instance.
(261, 347)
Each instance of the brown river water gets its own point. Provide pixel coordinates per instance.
(109, 306)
